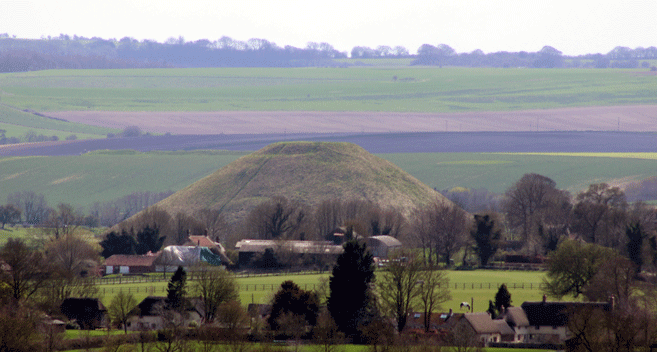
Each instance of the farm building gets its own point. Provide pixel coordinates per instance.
(131, 263)
(381, 246)
(88, 313)
(214, 247)
(250, 250)
(185, 256)
(151, 312)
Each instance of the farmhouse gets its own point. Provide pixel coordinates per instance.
(548, 321)
(131, 263)
(152, 314)
(483, 329)
(88, 313)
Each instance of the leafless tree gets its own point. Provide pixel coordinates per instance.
(328, 216)
(121, 309)
(399, 285)
(184, 226)
(63, 221)
(276, 218)
(27, 270)
(600, 215)
(214, 223)
(534, 202)
(32, 205)
(434, 291)
(441, 227)
(214, 286)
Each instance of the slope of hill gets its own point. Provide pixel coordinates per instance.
(306, 172)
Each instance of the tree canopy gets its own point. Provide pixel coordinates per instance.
(349, 286)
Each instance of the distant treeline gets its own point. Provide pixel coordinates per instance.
(66, 52)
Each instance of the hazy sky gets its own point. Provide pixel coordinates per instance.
(574, 27)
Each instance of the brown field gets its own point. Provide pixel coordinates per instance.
(639, 118)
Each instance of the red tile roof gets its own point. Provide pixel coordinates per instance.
(131, 260)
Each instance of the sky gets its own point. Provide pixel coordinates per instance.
(574, 27)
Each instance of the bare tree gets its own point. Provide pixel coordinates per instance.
(28, 270)
(434, 291)
(441, 227)
(214, 223)
(122, 308)
(328, 216)
(399, 285)
(534, 202)
(62, 221)
(214, 286)
(276, 218)
(600, 215)
(32, 205)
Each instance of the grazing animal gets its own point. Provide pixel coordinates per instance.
(465, 304)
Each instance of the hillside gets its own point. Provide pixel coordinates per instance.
(307, 172)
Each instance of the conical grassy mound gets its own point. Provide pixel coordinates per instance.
(305, 172)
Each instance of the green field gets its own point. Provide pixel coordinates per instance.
(103, 176)
(17, 122)
(417, 89)
(465, 286)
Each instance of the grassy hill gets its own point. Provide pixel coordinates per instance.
(306, 172)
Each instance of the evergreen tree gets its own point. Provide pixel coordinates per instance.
(502, 298)
(291, 299)
(176, 289)
(118, 244)
(635, 237)
(349, 286)
(486, 237)
(149, 240)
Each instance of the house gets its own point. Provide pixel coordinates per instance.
(517, 320)
(547, 322)
(152, 314)
(88, 313)
(415, 321)
(483, 328)
(131, 263)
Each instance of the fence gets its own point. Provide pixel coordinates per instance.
(191, 275)
(274, 287)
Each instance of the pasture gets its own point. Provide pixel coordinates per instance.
(479, 286)
(104, 176)
(416, 89)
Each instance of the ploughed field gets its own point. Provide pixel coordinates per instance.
(319, 100)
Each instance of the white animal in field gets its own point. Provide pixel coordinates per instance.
(465, 304)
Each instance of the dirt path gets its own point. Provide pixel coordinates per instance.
(639, 118)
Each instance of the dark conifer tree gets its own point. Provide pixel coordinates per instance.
(349, 286)
(176, 289)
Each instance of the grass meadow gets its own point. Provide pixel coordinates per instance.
(103, 176)
(416, 89)
(479, 286)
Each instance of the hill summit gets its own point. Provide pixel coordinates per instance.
(305, 172)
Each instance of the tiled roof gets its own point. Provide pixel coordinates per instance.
(201, 241)
(483, 324)
(556, 313)
(131, 260)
